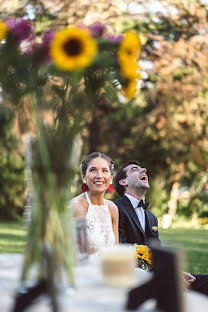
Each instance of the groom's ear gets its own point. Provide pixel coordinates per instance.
(123, 182)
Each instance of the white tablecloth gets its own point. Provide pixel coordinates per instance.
(90, 294)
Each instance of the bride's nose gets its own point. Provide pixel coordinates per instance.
(99, 174)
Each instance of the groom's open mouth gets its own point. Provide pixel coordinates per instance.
(143, 178)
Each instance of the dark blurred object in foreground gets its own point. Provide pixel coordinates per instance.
(165, 286)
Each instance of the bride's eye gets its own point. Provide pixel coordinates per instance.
(105, 170)
(92, 169)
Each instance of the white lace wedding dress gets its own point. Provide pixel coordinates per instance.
(99, 228)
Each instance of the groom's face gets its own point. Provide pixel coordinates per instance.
(136, 177)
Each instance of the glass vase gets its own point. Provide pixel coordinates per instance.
(50, 253)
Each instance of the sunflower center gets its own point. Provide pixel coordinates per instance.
(73, 47)
(129, 51)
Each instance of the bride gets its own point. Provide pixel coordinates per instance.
(101, 215)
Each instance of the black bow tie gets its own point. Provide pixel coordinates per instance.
(142, 204)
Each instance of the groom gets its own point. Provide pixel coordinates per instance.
(136, 223)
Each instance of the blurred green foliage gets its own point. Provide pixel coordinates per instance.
(166, 126)
(11, 169)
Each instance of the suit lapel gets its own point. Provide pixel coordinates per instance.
(147, 226)
(132, 212)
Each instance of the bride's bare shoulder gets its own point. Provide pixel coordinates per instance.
(112, 206)
(78, 205)
(76, 200)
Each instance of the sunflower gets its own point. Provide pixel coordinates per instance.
(128, 55)
(130, 69)
(130, 46)
(3, 30)
(73, 48)
(129, 89)
(143, 252)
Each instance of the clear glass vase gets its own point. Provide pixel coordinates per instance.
(50, 253)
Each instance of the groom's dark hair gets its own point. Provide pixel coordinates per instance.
(121, 174)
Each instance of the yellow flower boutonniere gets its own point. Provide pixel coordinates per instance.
(154, 228)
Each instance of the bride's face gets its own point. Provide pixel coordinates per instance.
(98, 176)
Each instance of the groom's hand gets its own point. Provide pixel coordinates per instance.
(188, 279)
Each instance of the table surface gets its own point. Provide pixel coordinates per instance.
(90, 295)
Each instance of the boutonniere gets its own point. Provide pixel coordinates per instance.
(154, 228)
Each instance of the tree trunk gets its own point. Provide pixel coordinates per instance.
(172, 205)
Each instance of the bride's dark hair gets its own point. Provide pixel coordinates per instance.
(86, 161)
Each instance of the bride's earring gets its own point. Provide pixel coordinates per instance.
(111, 188)
(85, 188)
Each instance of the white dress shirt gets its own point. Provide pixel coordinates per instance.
(139, 210)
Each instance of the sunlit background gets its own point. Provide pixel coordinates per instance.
(165, 127)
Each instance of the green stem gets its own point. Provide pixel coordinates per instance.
(51, 233)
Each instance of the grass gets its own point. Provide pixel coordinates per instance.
(193, 242)
(194, 245)
(12, 237)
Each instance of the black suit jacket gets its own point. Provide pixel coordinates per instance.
(130, 230)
